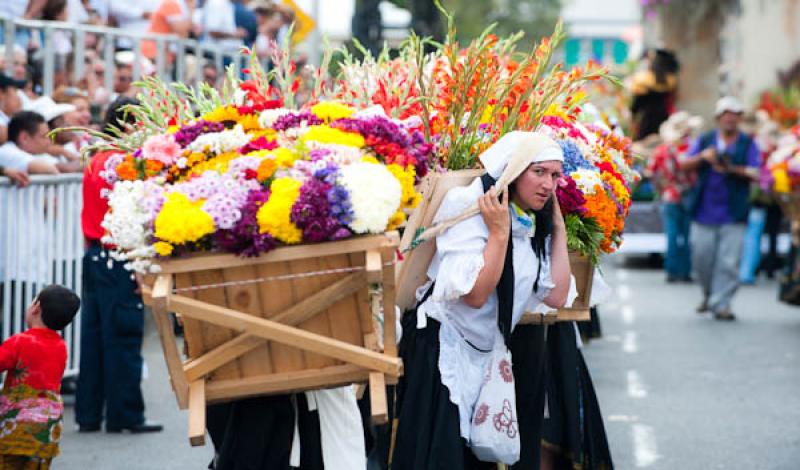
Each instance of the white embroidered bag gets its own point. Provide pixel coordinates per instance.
(494, 430)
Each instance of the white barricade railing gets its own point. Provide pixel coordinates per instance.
(165, 44)
(41, 243)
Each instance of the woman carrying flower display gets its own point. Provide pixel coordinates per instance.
(486, 271)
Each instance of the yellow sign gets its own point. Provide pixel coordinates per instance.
(303, 24)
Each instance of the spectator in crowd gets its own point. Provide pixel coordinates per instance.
(670, 183)
(246, 20)
(654, 91)
(218, 22)
(60, 152)
(10, 102)
(270, 21)
(79, 116)
(171, 17)
(727, 161)
(34, 362)
(20, 71)
(112, 324)
(132, 17)
(210, 74)
(27, 140)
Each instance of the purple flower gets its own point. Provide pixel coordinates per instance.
(291, 120)
(188, 133)
(312, 212)
(341, 209)
(245, 238)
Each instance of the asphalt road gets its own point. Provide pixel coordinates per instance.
(678, 390)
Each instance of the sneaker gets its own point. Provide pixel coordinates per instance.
(724, 315)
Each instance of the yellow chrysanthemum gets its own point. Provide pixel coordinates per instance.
(173, 129)
(256, 133)
(218, 163)
(249, 122)
(332, 110)
(410, 197)
(396, 220)
(224, 113)
(274, 217)
(782, 182)
(163, 248)
(180, 221)
(329, 135)
(370, 159)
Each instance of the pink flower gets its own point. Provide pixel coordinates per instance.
(481, 414)
(505, 371)
(162, 148)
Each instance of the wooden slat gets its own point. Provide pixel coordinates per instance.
(285, 382)
(197, 413)
(389, 314)
(213, 335)
(303, 288)
(273, 331)
(287, 253)
(275, 298)
(343, 315)
(373, 266)
(222, 354)
(192, 330)
(162, 288)
(245, 298)
(377, 398)
(293, 316)
(172, 356)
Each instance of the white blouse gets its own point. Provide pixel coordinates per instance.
(467, 334)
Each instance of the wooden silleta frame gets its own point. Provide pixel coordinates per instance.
(297, 318)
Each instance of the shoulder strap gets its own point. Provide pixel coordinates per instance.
(505, 288)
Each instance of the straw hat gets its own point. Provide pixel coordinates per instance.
(678, 125)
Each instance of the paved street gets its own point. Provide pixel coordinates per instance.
(682, 391)
(678, 390)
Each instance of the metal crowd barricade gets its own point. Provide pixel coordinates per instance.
(176, 70)
(41, 243)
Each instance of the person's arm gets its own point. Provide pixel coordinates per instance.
(180, 22)
(559, 261)
(498, 220)
(8, 354)
(3, 134)
(40, 167)
(17, 176)
(69, 167)
(696, 158)
(751, 169)
(34, 9)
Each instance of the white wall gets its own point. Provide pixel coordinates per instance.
(768, 37)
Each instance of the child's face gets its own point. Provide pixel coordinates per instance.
(34, 312)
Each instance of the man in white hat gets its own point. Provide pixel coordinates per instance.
(726, 161)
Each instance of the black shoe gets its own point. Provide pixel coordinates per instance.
(84, 428)
(687, 279)
(673, 279)
(703, 307)
(724, 315)
(147, 426)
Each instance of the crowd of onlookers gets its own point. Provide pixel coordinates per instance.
(81, 100)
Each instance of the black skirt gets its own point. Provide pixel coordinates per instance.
(528, 356)
(257, 433)
(428, 429)
(591, 329)
(574, 429)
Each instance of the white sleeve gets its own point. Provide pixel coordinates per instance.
(546, 283)
(15, 160)
(127, 10)
(215, 18)
(459, 249)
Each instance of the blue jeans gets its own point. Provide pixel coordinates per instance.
(112, 326)
(677, 261)
(751, 255)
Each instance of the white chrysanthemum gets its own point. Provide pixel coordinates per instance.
(340, 154)
(587, 179)
(127, 224)
(268, 117)
(221, 142)
(374, 195)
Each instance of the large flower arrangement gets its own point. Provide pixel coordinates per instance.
(781, 171)
(595, 192)
(248, 174)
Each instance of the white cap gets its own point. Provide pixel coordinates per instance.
(49, 108)
(728, 104)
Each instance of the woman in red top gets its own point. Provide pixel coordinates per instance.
(670, 182)
(30, 403)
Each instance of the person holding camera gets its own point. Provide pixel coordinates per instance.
(726, 161)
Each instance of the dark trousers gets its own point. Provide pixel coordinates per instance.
(112, 326)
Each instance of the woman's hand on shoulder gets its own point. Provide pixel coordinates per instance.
(495, 213)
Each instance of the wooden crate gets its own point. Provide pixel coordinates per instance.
(412, 271)
(297, 318)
